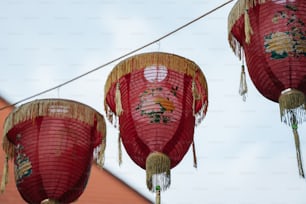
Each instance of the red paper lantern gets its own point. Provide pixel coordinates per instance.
(156, 97)
(52, 143)
(272, 34)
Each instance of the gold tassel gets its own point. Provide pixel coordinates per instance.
(292, 104)
(118, 103)
(243, 89)
(298, 150)
(247, 27)
(158, 171)
(195, 163)
(195, 96)
(52, 107)
(292, 111)
(157, 200)
(101, 156)
(119, 149)
(5, 174)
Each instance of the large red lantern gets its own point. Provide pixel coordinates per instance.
(272, 34)
(157, 97)
(52, 142)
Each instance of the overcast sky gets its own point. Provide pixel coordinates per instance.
(245, 154)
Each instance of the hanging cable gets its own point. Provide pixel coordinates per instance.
(119, 58)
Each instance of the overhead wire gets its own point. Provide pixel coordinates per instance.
(118, 58)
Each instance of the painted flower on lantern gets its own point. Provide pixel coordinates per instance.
(23, 166)
(278, 50)
(155, 104)
(287, 43)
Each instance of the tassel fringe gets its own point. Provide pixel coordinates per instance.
(298, 151)
(195, 163)
(292, 105)
(119, 150)
(243, 88)
(158, 171)
(292, 111)
(138, 62)
(119, 109)
(171, 61)
(241, 8)
(194, 97)
(4, 180)
(51, 107)
(101, 150)
(247, 27)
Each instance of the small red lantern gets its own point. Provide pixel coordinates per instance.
(272, 34)
(156, 97)
(52, 143)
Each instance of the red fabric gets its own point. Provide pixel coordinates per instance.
(145, 126)
(272, 70)
(60, 153)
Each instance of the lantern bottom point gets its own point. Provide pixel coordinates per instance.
(292, 106)
(158, 171)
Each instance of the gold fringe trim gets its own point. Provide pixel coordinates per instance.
(101, 152)
(237, 11)
(298, 151)
(4, 180)
(51, 107)
(200, 115)
(119, 109)
(158, 171)
(195, 163)
(292, 106)
(138, 62)
(119, 150)
(247, 27)
(194, 96)
(49, 201)
(243, 88)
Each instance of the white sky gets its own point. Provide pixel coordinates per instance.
(245, 154)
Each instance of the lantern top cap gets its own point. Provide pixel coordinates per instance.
(239, 9)
(61, 108)
(140, 61)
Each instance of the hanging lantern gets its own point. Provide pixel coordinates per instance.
(272, 34)
(157, 98)
(52, 143)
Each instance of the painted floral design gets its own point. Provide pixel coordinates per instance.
(23, 166)
(155, 104)
(289, 43)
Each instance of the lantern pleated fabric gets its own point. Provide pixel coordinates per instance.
(157, 97)
(272, 34)
(52, 142)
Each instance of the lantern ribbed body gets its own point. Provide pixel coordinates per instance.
(53, 152)
(173, 137)
(276, 54)
(158, 104)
